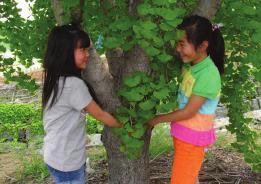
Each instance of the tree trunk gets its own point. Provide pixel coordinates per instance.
(121, 169)
(207, 8)
(106, 80)
(97, 74)
(58, 11)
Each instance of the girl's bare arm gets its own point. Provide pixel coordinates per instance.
(94, 109)
(194, 104)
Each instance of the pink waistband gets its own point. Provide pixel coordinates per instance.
(199, 138)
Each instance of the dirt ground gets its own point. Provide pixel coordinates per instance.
(222, 166)
(8, 164)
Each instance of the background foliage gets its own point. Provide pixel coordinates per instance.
(152, 27)
(15, 118)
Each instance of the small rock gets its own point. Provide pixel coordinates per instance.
(254, 104)
(95, 140)
(88, 167)
(221, 112)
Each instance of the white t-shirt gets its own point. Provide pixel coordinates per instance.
(64, 125)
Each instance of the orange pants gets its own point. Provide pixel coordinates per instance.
(187, 162)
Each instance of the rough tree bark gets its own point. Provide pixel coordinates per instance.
(106, 77)
(122, 170)
(58, 11)
(207, 8)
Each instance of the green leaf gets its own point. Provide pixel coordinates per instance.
(122, 24)
(112, 42)
(123, 119)
(132, 95)
(155, 66)
(144, 116)
(163, 108)
(161, 94)
(165, 27)
(138, 133)
(151, 51)
(137, 30)
(165, 57)
(169, 14)
(143, 43)
(143, 90)
(172, 43)
(169, 36)
(135, 143)
(117, 131)
(129, 128)
(173, 85)
(122, 148)
(126, 139)
(144, 9)
(258, 76)
(160, 2)
(248, 10)
(174, 22)
(148, 34)
(257, 37)
(158, 41)
(179, 34)
(2, 49)
(165, 13)
(253, 24)
(158, 86)
(122, 109)
(138, 125)
(237, 5)
(148, 25)
(132, 113)
(132, 81)
(147, 105)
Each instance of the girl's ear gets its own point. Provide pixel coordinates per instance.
(203, 46)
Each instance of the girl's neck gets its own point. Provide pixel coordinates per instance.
(199, 59)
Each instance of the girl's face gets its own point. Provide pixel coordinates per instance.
(186, 50)
(81, 56)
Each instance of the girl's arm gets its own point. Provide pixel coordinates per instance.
(194, 104)
(94, 109)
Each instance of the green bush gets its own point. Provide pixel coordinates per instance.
(93, 126)
(15, 118)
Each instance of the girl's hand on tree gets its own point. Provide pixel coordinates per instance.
(95, 110)
(154, 121)
(119, 125)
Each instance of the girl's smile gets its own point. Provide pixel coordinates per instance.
(188, 53)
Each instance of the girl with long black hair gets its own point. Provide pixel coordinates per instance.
(66, 99)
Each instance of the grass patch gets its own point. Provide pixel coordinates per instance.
(224, 140)
(15, 147)
(32, 168)
(96, 153)
(161, 141)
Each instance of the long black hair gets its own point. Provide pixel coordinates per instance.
(199, 29)
(59, 59)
